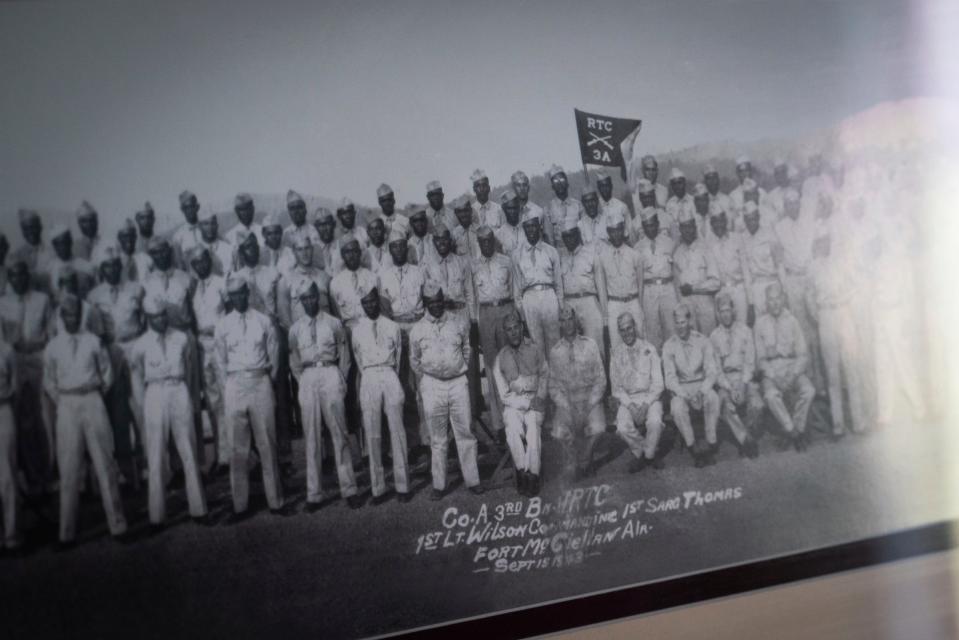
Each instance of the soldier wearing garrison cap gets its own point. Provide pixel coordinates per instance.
(486, 210)
(539, 275)
(680, 202)
(622, 267)
(222, 252)
(145, 219)
(391, 219)
(746, 190)
(464, 232)
(655, 247)
(298, 227)
(134, 263)
(592, 222)
(645, 198)
(61, 239)
(188, 234)
(298, 277)
(273, 252)
(509, 235)
(650, 171)
(729, 254)
(584, 281)
(519, 181)
(717, 198)
(782, 177)
(437, 211)
(696, 274)
(245, 210)
(34, 251)
(377, 254)
(421, 239)
(88, 222)
(763, 253)
(347, 228)
(610, 205)
(561, 208)
(326, 254)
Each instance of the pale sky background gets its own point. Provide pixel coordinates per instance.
(125, 102)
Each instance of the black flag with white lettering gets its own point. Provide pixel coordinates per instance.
(605, 140)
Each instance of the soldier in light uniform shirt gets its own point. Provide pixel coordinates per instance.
(592, 224)
(119, 304)
(486, 211)
(577, 384)
(816, 185)
(391, 219)
(584, 282)
(437, 212)
(187, 235)
(347, 227)
(763, 256)
(539, 275)
(703, 208)
(134, 264)
(521, 375)
(289, 310)
(646, 199)
(696, 274)
(298, 227)
(783, 358)
(247, 348)
(464, 233)
(736, 360)
(208, 302)
(245, 211)
(718, 198)
(326, 254)
(636, 379)
(509, 235)
(421, 246)
(26, 316)
(159, 362)
(400, 285)
(680, 202)
(9, 500)
(264, 281)
(221, 251)
(89, 240)
(655, 248)
(623, 269)
(610, 206)
(33, 252)
(747, 186)
(440, 355)
(274, 253)
(495, 295)
(76, 372)
(650, 170)
(145, 220)
(690, 372)
(729, 255)
(830, 297)
(320, 361)
(527, 208)
(377, 254)
(61, 239)
(561, 208)
(775, 198)
(377, 344)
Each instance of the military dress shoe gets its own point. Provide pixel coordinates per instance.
(313, 507)
(355, 502)
(436, 494)
(237, 517)
(380, 499)
(533, 483)
(404, 496)
(206, 520)
(477, 489)
(287, 510)
(636, 465)
(522, 484)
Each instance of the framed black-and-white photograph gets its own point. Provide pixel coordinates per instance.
(355, 320)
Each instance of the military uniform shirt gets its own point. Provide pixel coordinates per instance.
(521, 374)
(160, 356)
(246, 342)
(292, 233)
(729, 256)
(439, 347)
(376, 343)
(735, 350)
(687, 361)
(296, 281)
(560, 212)
(316, 341)
(779, 337)
(347, 289)
(466, 242)
(509, 238)
(489, 214)
(593, 230)
(574, 367)
(208, 303)
(656, 255)
(76, 363)
(171, 288)
(580, 270)
(761, 249)
(622, 267)
(402, 286)
(695, 266)
(375, 258)
(26, 319)
(493, 278)
(635, 373)
(538, 265)
(120, 309)
(453, 275)
(262, 283)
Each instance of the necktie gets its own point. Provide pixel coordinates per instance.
(313, 330)
(375, 338)
(243, 323)
(73, 345)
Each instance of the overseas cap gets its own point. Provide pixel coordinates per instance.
(304, 287)
(383, 190)
(750, 185)
(345, 203)
(750, 208)
(272, 219)
(700, 191)
(601, 176)
(243, 200)
(158, 242)
(461, 204)
(507, 196)
(723, 298)
(649, 161)
(484, 232)
(518, 177)
(685, 215)
(433, 185)
(195, 253)
(235, 283)
(569, 225)
(743, 161)
(127, 226)
(206, 215)
(709, 170)
(716, 209)
(186, 197)
(323, 215)
(625, 319)
(556, 170)
(248, 238)
(676, 174)
(440, 230)
(589, 191)
(478, 175)
(86, 210)
(531, 216)
(647, 214)
(419, 213)
(292, 197)
(396, 236)
(432, 289)
(59, 230)
(302, 241)
(146, 210)
(347, 241)
(28, 215)
(614, 219)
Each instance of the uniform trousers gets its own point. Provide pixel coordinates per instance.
(523, 437)
(703, 307)
(321, 395)
(168, 413)
(381, 392)
(626, 427)
(590, 318)
(283, 399)
(35, 421)
(419, 432)
(782, 383)
(616, 308)
(541, 309)
(84, 428)
(8, 476)
(213, 394)
(659, 301)
(447, 402)
(577, 425)
(491, 341)
(843, 364)
(473, 370)
(707, 402)
(248, 397)
(751, 401)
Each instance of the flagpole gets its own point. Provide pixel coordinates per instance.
(586, 177)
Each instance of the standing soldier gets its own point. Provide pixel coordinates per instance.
(636, 378)
(221, 251)
(320, 361)
(730, 258)
(209, 306)
(88, 222)
(421, 241)
(690, 372)
(464, 233)
(76, 371)
(377, 255)
(33, 252)
(159, 360)
(655, 248)
(584, 283)
(561, 208)
(736, 360)
(703, 208)
(134, 264)
(650, 170)
(391, 219)
(527, 208)
(609, 205)
(680, 203)
(783, 357)
(346, 215)
(64, 260)
(298, 228)
(440, 355)
(816, 185)
(146, 220)
(9, 499)
(539, 275)
(775, 199)
(26, 316)
(747, 189)
(592, 224)
(522, 377)
(274, 253)
(623, 268)
(401, 284)
(647, 200)
(485, 210)
(763, 256)
(288, 308)
(245, 211)
(495, 295)
(188, 235)
(437, 211)
(247, 353)
(326, 255)
(697, 275)
(377, 343)
(716, 197)
(577, 384)
(509, 235)
(830, 297)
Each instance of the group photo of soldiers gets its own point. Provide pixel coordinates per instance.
(663, 312)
